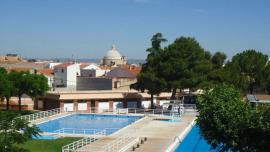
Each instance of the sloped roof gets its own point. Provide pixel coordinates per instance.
(132, 68)
(120, 72)
(47, 72)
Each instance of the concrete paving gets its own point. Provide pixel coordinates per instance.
(160, 134)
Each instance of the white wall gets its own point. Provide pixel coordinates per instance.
(51, 65)
(91, 67)
(103, 105)
(69, 106)
(82, 106)
(146, 104)
(72, 72)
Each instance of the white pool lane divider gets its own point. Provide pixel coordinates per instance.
(178, 139)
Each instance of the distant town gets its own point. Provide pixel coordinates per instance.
(112, 73)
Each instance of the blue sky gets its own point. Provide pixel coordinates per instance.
(87, 28)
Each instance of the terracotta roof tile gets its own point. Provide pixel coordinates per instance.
(47, 72)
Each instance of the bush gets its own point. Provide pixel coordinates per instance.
(229, 123)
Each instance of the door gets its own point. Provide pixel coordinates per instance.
(103, 106)
(68, 106)
(82, 106)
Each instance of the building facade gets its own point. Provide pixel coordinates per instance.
(65, 75)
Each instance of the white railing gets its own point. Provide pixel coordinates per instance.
(75, 131)
(119, 143)
(42, 114)
(161, 112)
(82, 142)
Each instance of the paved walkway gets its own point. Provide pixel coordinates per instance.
(160, 134)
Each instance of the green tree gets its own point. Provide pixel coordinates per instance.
(246, 69)
(3, 83)
(229, 123)
(148, 78)
(38, 86)
(13, 131)
(266, 78)
(21, 83)
(184, 64)
(218, 74)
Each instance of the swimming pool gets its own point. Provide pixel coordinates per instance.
(88, 123)
(194, 142)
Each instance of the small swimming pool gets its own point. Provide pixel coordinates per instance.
(88, 123)
(194, 142)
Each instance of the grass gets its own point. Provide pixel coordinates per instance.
(42, 145)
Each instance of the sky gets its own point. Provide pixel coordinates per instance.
(88, 28)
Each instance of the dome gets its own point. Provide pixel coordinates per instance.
(113, 54)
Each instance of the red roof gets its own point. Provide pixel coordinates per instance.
(132, 68)
(47, 72)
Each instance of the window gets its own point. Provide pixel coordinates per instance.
(62, 70)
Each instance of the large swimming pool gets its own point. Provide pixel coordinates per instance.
(194, 142)
(88, 123)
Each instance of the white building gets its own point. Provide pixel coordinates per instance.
(113, 58)
(93, 70)
(65, 75)
(53, 64)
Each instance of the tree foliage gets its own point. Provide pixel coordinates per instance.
(14, 131)
(229, 123)
(19, 83)
(148, 80)
(246, 70)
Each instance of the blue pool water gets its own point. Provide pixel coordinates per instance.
(80, 122)
(194, 142)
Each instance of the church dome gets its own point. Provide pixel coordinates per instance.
(113, 54)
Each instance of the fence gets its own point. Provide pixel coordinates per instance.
(83, 142)
(42, 114)
(75, 131)
(120, 143)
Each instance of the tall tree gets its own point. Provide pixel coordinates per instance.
(246, 69)
(218, 74)
(38, 86)
(21, 83)
(184, 64)
(148, 78)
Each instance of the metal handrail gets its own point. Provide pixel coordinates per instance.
(118, 143)
(64, 131)
(83, 142)
(42, 114)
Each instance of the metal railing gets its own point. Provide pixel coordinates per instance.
(162, 112)
(119, 143)
(75, 131)
(83, 142)
(42, 114)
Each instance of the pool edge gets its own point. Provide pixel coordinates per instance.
(178, 139)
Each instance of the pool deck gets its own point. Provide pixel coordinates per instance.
(160, 134)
